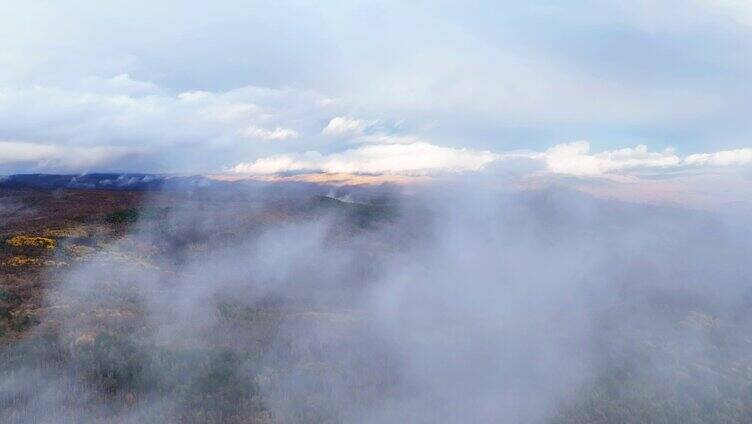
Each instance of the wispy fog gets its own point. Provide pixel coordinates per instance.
(453, 304)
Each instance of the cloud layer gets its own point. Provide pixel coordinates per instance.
(415, 158)
(260, 88)
(422, 158)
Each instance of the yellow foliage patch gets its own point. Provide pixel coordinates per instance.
(65, 232)
(19, 261)
(31, 241)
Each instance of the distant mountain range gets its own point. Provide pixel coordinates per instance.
(108, 181)
(196, 185)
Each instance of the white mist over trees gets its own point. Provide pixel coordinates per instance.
(455, 304)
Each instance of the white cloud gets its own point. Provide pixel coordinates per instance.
(281, 163)
(575, 159)
(381, 138)
(69, 116)
(14, 151)
(422, 158)
(119, 84)
(413, 159)
(343, 126)
(256, 133)
(194, 96)
(106, 120)
(736, 157)
(50, 156)
(203, 127)
(465, 73)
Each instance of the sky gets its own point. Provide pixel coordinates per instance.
(590, 89)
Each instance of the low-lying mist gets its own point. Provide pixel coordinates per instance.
(449, 304)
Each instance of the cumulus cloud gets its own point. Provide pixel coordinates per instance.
(423, 158)
(676, 73)
(724, 158)
(124, 113)
(416, 158)
(256, 133)
(343, 126)
(575, 159)
(105, 122)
